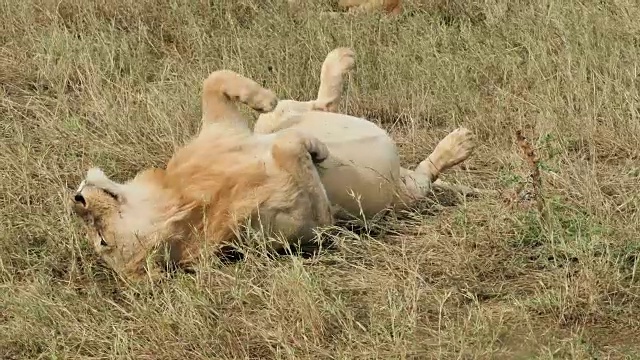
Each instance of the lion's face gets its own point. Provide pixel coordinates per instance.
(125, 222)
(99, 209)
(116, 218)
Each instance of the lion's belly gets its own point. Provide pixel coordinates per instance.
(363, 167)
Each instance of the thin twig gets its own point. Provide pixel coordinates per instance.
(533, 162)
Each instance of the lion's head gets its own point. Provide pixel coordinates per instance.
(122, 221)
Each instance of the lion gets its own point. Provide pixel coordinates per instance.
(393, 7)
(223, 179)
(362, 174)
(302, 167)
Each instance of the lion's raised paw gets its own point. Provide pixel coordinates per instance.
(265, 101)
(341, 60)
(317, 149)
(457, 146)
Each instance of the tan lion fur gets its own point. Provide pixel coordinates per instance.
(388, 6)
(224, 178)
(362, 174)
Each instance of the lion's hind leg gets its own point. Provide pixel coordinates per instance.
(455, 148)
(223, 88)
(290, 112)
(334, 68)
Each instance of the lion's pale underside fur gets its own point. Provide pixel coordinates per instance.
(362, 174)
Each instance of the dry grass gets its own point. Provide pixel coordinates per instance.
(117, 84)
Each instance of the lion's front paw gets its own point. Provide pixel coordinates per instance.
(457, 146)
(317, 149)
(264, 101)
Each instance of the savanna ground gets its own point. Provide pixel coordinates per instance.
(117, 84)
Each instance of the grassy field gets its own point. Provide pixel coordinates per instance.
(117, 84)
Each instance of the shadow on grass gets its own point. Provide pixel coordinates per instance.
(383, 224)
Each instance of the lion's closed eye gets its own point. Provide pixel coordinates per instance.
(111, 194)
(102, 241)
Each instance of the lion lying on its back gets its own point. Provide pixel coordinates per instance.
(227, 176)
